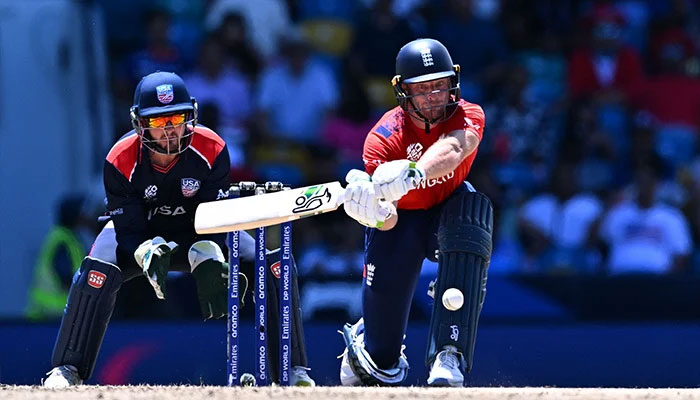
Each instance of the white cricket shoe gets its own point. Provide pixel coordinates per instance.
(357, 367)
(347, 375)
(62, 376)
(445, 370)
(300, 377)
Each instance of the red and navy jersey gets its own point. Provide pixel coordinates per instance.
(395, 137)
(145, 200)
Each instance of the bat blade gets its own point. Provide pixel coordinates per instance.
(267, 209)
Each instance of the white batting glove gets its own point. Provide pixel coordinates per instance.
(394, 179)
(361, 203)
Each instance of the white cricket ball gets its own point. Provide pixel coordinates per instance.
(248, 379)
(453, 299)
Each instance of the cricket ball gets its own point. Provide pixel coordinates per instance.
(453, 299)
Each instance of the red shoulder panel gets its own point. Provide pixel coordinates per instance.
(124, 154)
(207, 144)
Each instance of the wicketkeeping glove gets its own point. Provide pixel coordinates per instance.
(361, 203)
(153, 256)
(394, 179)
(211, 275)
(212, 288)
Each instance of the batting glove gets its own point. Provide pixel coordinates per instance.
(394, 179)
(153, 256)
(361, 203)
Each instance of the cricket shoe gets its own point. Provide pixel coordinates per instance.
(62, 376)
(446, 370)
(357, 367)
(300, 377)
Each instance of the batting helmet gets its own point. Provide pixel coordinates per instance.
(425, 60)
(159, 94)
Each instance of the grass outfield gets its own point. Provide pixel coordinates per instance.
(8, 392)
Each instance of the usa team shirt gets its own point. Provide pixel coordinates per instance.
(396, 137)
(145, 200)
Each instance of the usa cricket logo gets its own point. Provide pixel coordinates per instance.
(165, 93)
(312, 198)
(189, 186)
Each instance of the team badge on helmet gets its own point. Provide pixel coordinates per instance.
(189, 186)
(165, 93)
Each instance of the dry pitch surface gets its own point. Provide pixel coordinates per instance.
(8, 392)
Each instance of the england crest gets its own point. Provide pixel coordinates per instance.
(165, 93)
(189, 186)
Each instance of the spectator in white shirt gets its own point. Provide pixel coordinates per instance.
(645, 235)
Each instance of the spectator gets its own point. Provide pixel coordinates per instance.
(296, 94)
(379, 32)
(644, 235)
(266, 20)
(673, 97)
(608, 66)
(468, 35)
(159, 54)
(345, 130)
(60, 256)
(555, 225)
(233, 35)
(523, 134)
(216, 83)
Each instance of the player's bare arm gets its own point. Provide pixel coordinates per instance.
(447, 153)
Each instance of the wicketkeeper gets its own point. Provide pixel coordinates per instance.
(154, 177)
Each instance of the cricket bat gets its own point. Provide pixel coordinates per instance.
(267, 209)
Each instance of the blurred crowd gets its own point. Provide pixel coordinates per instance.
(592, 113)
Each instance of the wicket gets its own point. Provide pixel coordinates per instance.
(260, 287)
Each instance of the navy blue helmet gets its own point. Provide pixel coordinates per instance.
(424, 60)
(162, 94)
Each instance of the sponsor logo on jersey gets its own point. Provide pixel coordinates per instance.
(276, 269)
(436, 181)
(150, 193)
(222, 194)
(96, 279)
(165, 93)
(427, 56)
(189, 186)
(414, 151)
(369, 274)
(166, 210)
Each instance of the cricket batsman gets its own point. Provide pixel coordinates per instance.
(154, 178)
(416, 204)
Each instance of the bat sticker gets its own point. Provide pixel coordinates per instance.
(312, 198)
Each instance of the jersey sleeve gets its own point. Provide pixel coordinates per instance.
(217, 183)
(468, 116)
(125, 208)
(377, 150)
(216, 186)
